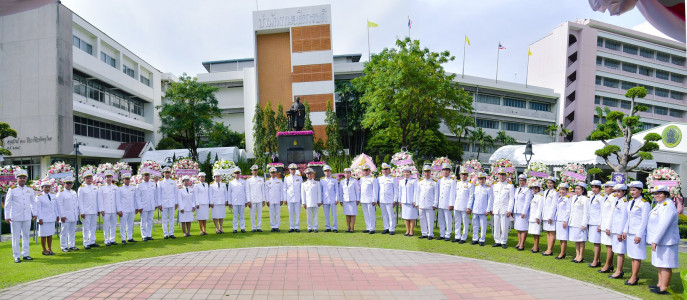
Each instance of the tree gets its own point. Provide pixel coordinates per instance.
(625, 124)
(611, 127)
(307, 124)
(270, 129)
(259, 146)
(481, 139)
(220, 135)
(351, 111)
(553, 130)
(168, 143)
(188, 112)
(282, 119)
(5, 132)
(503, 138)
(462, 128)
(406, 87)
(333, 145)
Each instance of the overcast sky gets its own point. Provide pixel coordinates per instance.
(176, 36)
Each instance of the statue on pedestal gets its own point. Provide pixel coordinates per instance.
(296, 115)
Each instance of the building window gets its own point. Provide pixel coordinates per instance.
(661, 92)
(136, 106)
(599, 42)
(514, 102)
(540, 106)
(611, 63)
(649, 89)
(536, 129)
(660, 74)
(598, 80)
(597, 99)
(676, 113)
(661, 56)
(128, 71)
(630, 49)
(96, 129)
(484, 123)
(489, 99)
(610, 102)
(145, 80)
(626, 85)
(599, 60)
(108, 59)
(628, 67)
(645, 71)
(625, 104)
(677, 95)
(613, 45)
(677, 78)
(680, 61)
(648, 53)
(612, 83)
(513, 126)
(647, 126)
(79, 43)
(661, 111)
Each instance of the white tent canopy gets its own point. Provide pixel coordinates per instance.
(160, 156)
(557, 154)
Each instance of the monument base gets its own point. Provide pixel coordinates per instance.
(295, 147)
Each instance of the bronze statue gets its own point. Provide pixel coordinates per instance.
(297, 115)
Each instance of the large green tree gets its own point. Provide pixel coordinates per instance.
(5, 132)
(259, 131)
(481, 139)
(407, 88)
(307, 124)
(351, 111)
(282, 119)
(270, 129)
(503, 138)
(221, 135)
(188, 112)
(625, 124)
(557, 130)
(333, 144)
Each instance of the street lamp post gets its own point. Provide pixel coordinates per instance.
(528, 152)
(76, 160)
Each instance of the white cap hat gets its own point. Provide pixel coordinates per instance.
(610, 184)
(620, 187)
(522, 176)
(563, 185)
(87, 173)
(426, 168)
(581, 184)
(501, 171)
(535, 184)
(366, 167)
(293, 166)
(407, 169)
(20, 172)
(126, 175)
(309, 170)
(45, 182)
(596, 183)
(166, 169)
(185, 178)
(481, 175)
(347, 170)
(463, 170)
(254, 167)
(445, 166)
(145, 172)
(552, 178)
(636, 184)
(660, 188)
(385, 166)
(109, 173)
(68, 179)
(237, 170)
(326, 168)
(201, 174)
(273, 170)
(216, 174)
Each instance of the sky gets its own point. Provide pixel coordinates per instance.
(177, 36)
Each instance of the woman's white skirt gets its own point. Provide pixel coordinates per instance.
(665, 257)
(350, 208)
(408, 212)
(186, 216)
(594, 236)
(47, 229)
(219, 211)
(521, 224)
(619, 247)
(606, 239)
(549, 227)
(534, 228)
(203, 212)
(561, 233)
(576, 234)
(635, 251)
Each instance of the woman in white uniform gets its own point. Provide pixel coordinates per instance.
(350, 198)
(607, 207)
(579, 216)
(519, 208)
(202, 198)
(563, 201)
(596, 199)
(46, 214)
(219, 200)
(618, 221)
(187, 206)
(548, 217)
(535, 218)
(635, 229)
(407, 188)
(664, 236)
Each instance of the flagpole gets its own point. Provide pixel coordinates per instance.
(498, 51)
(408, 26)
(465, 41)
(527, 72)
(368, 41)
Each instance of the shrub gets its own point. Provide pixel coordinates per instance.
(682, 219)
(683, 231)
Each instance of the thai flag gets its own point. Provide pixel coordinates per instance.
(410, 23)
(501, 47)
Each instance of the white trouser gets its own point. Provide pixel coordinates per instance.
(67, 233)
(275, 215)
(126, 226)
(330, 210)
(294, 215)
(88, 225)
(501, 224)
(445, 223)
(168, 220)
(388, 216)
(311, 213)
(147, 223)
(109, 227)
(461, 218)
(256, 209)
(426, 221)
(20, 229)
(369, 212)
(238, 211)
(479, 222)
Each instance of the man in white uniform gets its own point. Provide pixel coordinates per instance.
(480, 207)
(447, 196)
(255, 191)
(330, 198)
(68, 208)
(126, 209)
(369, 196)
(88, 207)
(388, 199)
(238, 200)
(464, 191)
(311, 197)
(107, 205)
(292, 195)
(427, 201)
(19, 210)
(146, 197)
(167, 191)
(275, 197)
(503, 193)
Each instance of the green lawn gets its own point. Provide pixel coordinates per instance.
(43, 266)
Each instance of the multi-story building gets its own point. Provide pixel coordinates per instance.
(64, 81)
(590, 64)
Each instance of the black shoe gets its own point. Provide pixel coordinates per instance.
(292, 230)
(372, 232)
(65, 250)
(27, 258)
(336, 231)
(259, 230)
(573, 260)
(653, 287)
(593, 266)
(429, 238)
(243, 231)
(277, 230)
(95, 245)
(315, 230)
(447, 239)
(546, 254)
(366, 231)
(521, 249)
(422, 237)
(107, 244)
(327, 230)
(145, 239)
(474, 243)
(627, 282)
(73, 249)
(481, 244)
(657, 291)
(504, 246)
(87, 247)
(17, 260)
(235, 231)
(166, 237)
(618, 277)
(253, 230)
(496, 245)
(131, 241)
(392, 232)
(560, 257)
(298, 230)
(123, 242)
(454, 241)
(461, 242)
(609, 270)
(385, 231)
(150, 238)
(309, 230)
(113, 243)
(172, 237)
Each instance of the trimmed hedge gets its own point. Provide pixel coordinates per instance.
(681, 219)
(683, 231)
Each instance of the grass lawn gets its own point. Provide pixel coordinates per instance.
(43, 266)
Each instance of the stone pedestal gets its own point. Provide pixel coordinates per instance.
(296, 149)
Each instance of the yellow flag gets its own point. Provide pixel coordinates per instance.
(372, 24)
(529, 52)
(467, 40)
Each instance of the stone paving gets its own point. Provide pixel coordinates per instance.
(308, 273)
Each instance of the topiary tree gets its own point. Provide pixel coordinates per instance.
(333, 145)
(307, 124)
(270, 129)
(259, 147)
(282, 119)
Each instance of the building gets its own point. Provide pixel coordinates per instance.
(64, 81)
(590, 64)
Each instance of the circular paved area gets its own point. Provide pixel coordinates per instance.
(308, 273)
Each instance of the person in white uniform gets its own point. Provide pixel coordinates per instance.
(503, 193)
(167, 193)
(127, 206)
(426, 201)
(330, 199)
(68, 207)
(255, 193)
(311, 199)
(579, 218)
(480, 206)
(596, 199)
(535, 215)
(447, 194)
(618, 221)
(607, 208)
(238, 201)
(46, 213)
(201, 195)
(275, 198)
(549, 206)
(388, 199)
(187, 205)
(464, 191)
(349, 193)
(369, 196)
(664, 236)
(107, 204)
(292, 192)
(635, 229)
(219, 200)
(563, 201)
(88, 207)
(407, 189)
(147, 198)
(519, 209)
(19, 211)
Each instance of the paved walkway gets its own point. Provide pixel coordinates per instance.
(308, 273)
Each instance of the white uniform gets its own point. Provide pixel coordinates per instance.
(618, 222)
(292, 192)
(349, 194)
(255, 193)
(88, 206)
(330, 197)
(167, 195)
(388, 196)
(606, 215)
(464, 192)
(46, 210)
(369, 193)
(447, 197)
(480, 203)
(146, 195)
(562, 216)
(238, 202)
(107, 203)
(536, 207)
(407, 189)
(187, 202)
(579, 218)
(595, 202)
(127, 204)
(637, 219)
(19, 207)
(219, 197)
(662, 229)
(519, 205)
(426, 200)
(68, 207)
(275, 195)
(549, 206)
(201, 195)
(311, 197)
(503, 193)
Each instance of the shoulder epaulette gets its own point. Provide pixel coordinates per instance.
(644, 200)
(39, 194)
(665, 203)
(323, 177)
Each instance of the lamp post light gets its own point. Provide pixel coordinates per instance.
(76, 159)
(528, 152)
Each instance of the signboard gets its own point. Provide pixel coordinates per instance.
(223, 172)
(668, 183)
(671, 136)
(576, 175)
(403, 162)
(60, 175)
(8, 178)
(539, 174)
(186, 172)
(618, 177)
(292, 17)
